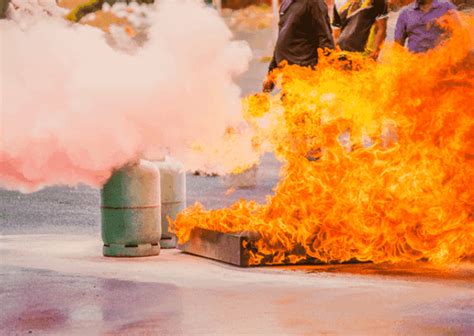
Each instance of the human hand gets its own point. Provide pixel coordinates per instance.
(268, 84)
(374, 54)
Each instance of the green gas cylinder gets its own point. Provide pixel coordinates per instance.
(131, 211)
(173, 196)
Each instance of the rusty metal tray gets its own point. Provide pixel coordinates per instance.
(230, 248)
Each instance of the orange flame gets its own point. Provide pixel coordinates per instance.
(379, 161)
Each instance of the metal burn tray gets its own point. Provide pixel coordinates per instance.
(230, 248)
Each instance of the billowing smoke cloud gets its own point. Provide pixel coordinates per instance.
(73, 108)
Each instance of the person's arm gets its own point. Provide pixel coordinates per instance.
(380, 27)
(273, 64)
(380, 35)
(454, 15)
(269, 83)
(451, 19)
(336, 32)
(401, 33)
(319, 12)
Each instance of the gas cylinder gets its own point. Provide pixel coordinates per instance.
(173, 196)
(131, 211)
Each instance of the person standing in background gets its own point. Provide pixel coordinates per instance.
(361, 26)
(417, 24)
(304, 28)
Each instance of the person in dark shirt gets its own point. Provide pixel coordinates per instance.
(361, 26)
(304, 27)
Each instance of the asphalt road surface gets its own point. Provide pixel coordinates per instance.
(61, 210)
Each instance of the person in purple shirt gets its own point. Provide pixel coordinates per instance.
(417, 23)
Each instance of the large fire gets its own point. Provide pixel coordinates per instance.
(379, 160)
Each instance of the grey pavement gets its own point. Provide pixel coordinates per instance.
(60, 285)
(61, 210)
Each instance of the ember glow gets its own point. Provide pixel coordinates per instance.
(390, 171)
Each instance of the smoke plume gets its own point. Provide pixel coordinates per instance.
(73, 108)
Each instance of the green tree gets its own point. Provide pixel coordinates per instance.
(3, 8)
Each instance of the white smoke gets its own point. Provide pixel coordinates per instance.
(73, 108)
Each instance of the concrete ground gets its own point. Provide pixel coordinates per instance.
(60, 284)
(54, 279)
